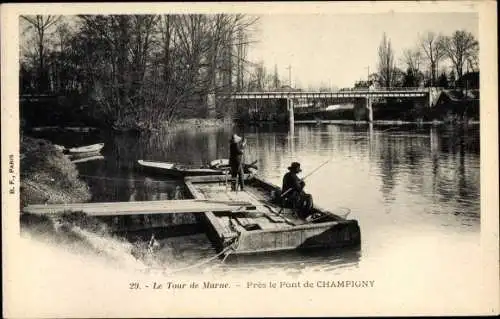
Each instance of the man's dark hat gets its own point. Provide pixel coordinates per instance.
(295, 166)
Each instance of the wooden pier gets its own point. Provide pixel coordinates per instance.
(243, 222)
(142, 208)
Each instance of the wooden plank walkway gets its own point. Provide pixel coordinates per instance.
(142, 208)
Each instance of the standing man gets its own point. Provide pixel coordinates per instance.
(236, 148)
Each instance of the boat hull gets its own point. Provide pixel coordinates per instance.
(163, 169)
(94, 148)
(269, 231)
(243, 222)
(175, 171)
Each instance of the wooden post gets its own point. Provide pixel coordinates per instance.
(369, 109)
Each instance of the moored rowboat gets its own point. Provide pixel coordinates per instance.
(223, 164)
(181, 171)
(175, 170)
(86, 149)
(81, 150)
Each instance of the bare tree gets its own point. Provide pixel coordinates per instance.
(461, 47)
(276, 78)
(386, 62)
(259, 77)
(432, 47)
(413, 59)
(142, 70)
(41, 24)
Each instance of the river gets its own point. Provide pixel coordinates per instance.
(415, 191)
(399, 182)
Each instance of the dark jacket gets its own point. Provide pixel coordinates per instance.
(292, 181)
(235, 153)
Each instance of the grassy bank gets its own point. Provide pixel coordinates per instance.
(48, 176)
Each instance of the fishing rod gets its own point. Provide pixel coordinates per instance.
(323, 164)
(312, 172)
(316, 169)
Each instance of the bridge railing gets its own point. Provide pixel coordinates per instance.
(388, 89)
(357, 90)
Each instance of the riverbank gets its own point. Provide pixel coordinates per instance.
(385, 122)
(48, 176)
(181, 124)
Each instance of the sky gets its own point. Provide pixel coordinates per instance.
(337, 49)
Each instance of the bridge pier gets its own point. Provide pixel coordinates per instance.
(369, 109)
(289, 105)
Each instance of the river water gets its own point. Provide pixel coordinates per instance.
(415, 191)
(411, 187)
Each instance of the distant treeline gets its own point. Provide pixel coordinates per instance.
(436, 60)
(134, 71)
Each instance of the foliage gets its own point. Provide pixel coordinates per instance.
(48, 176)
(422, 63)
(386, 66)
(432, 47)
(138, 71)
(443, 81)
(461, 48)
(412, 78)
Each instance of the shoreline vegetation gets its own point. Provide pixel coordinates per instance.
(181, 124)
(201, 123)
(166, 68)
(49, 177)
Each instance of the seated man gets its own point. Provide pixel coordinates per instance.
(293, 195)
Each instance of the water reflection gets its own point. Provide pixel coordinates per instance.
(406, 179)
(324, 260)
(437, 164)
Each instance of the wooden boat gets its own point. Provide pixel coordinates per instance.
(175, 170)
(181, 171)
(86, 149)
(82, 150)
(241, 223)
(268, 228)
(220, 162)
(223, 164)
